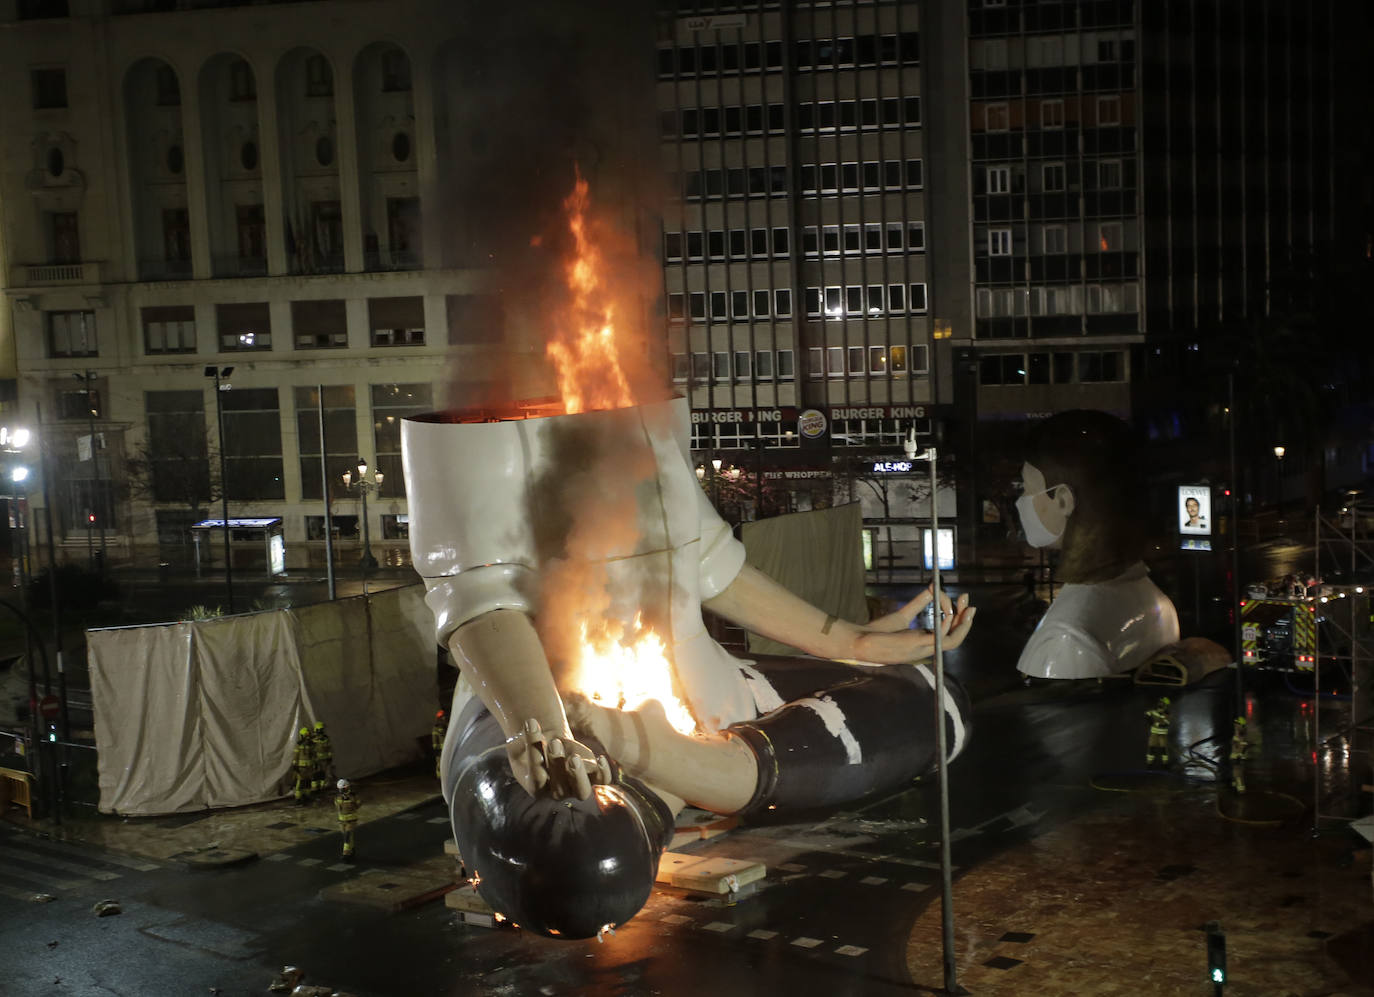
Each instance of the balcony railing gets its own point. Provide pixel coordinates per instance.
(34, 274)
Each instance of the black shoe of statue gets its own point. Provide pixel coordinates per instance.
(561, 868)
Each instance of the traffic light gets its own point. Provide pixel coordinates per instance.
(90, 518)
(1216, 955)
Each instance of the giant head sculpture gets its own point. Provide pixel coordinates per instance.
(1084, 495)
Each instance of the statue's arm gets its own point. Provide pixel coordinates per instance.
(759, 604)
(502, 658)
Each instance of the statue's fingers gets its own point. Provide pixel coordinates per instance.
(579, 784)
(603, 775)
(961, 627)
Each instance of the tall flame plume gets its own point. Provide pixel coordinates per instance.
(586, 351)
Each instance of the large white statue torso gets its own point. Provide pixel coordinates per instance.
(489, 510)
(1100, 629)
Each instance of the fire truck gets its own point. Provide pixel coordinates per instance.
(1279, 634)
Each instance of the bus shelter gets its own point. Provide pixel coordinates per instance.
(261, 543)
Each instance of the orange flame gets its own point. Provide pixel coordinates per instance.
(623, 667)
(586, 352)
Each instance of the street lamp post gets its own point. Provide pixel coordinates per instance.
(1279, 451)
(218, 373)
(365, 483)
(96, 512)
(946, 866)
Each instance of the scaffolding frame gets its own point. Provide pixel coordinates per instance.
(1349, 550)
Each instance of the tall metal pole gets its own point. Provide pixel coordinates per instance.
(367, 560)
(1235, 545)
(97, 503)
(324, 485)
(937, 616)
(224, 498)
(52, 582)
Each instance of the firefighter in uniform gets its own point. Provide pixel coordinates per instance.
(436, 737)
(1239, 746)
(324, 759)
(346, 804)
(1158, 746)
(303, 764)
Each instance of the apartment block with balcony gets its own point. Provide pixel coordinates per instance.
(283, 189)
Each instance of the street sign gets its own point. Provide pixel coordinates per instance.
(48, 707)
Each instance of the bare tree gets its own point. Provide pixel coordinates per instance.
(180, 467)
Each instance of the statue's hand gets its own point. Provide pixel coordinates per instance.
(559, 766)
(889, 640)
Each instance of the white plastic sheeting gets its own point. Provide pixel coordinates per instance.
(196, 715)
(818, 555)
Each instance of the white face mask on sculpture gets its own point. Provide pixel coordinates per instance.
(1037, 533)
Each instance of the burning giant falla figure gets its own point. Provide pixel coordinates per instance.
(568, 558)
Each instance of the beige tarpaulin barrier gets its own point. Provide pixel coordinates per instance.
(818, 555)
(196, 715)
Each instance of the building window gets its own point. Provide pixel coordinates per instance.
(252, 444)
(1051, 114)
(917, 301)
(1109, 110)
(395, 71)
(676, 306)
(1109, 174)
(834, 361)
(319, 325)
(177, 452)
(319, 248)
(166, 86)
(71, 334)
(391, 403)
(999, 179)
(916, 236)
(242, 84)
(403, 230)
(319, 77)
(49, 88)
(1096, 367)
(397, 321)
(251, 229)
(786, 365)
(999, 242)
(1109, 237)
(998, 117)
(720, 366)
(169, 329)
(176, 236)
(246, 327)
(1056, 240)
(1052, 177)
(64, 236)
(782, 302)
(340, 434)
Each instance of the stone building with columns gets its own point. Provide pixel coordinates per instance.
(319, 195)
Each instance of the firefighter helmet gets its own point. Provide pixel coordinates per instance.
(1240, 721)
(319, 725)
(305, 732)
(342, 785)
(1163, 700)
